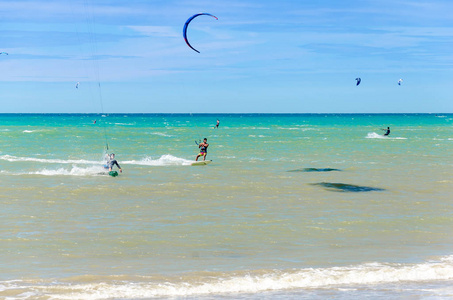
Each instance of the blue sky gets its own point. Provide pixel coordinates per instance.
(286, 56)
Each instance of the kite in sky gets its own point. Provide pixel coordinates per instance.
(358, 80)
(184, 31)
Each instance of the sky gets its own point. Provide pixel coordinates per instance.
(260, 56)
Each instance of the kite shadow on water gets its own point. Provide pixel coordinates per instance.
(314, 170)
(343, 187)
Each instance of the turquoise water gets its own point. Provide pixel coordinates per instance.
(292, 206)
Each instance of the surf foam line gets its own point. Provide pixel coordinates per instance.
(143, 287)
(12, 158)
(74, 171)
(164, 160)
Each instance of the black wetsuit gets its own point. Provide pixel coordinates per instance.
(111, 163)
(387, 132)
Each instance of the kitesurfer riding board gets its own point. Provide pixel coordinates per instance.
(110, 163)
(387, 131)
(203, 149)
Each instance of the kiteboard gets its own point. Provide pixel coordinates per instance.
(201, 163)
(109, 173)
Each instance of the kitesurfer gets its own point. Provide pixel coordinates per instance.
(112, 162)
(387, 131)
(203, 149)
(217, 125)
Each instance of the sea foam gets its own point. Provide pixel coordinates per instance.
(238, 282)
(12, 158)
(74, 171)
(164, 160)
(374, 135)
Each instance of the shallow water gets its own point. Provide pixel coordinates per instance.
(252, 224)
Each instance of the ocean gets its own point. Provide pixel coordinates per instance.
(293, 206)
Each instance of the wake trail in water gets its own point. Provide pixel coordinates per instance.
(374, 135)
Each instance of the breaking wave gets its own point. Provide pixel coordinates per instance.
(209, 284)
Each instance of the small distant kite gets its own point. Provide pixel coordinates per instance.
(358, 80)
(184, 31)
(6, 53)
(400, 81)
(77, 85)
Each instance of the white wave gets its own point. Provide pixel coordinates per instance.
(295, 128)
(160, 134)
(253, 128)
(12, 158)
(74, 171)
(28, 131)
(240, 282)
(374, 135)
(164, 160)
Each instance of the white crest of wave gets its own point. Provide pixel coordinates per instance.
(161, 134)
(74, 171)
(223, 283)
(164, 160)
(12, 158)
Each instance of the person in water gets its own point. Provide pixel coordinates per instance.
(203, 149)
(112, 162)
(217, 125)
(387, 131)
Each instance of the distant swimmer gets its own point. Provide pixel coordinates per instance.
(112, 162)
(203, 149)
(217, 125)
(387, 131)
